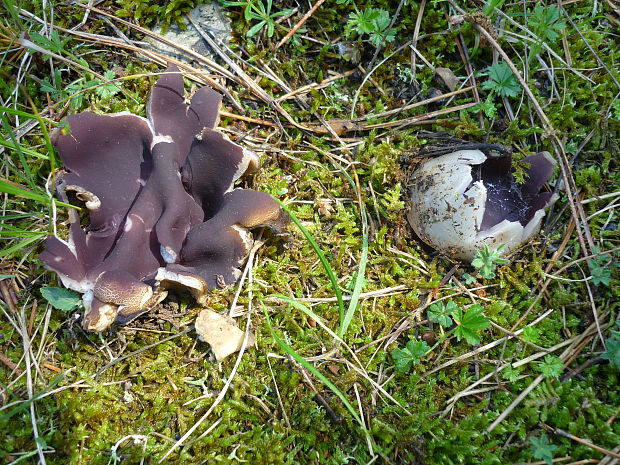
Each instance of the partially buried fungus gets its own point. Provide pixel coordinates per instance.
(161, 204)
(465, 200)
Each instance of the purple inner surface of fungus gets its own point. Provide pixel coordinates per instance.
(508, 200)
(159, 197)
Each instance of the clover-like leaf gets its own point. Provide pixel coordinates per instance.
(405, 358)
(440, 313)
(469, 323)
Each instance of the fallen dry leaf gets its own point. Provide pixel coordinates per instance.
(447, 77)
(221, 333)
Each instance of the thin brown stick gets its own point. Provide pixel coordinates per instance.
(316, 86)
(414, 119)
(569, 182)
(7, 361)
(566, 434)
(416, 35)
(299, 24)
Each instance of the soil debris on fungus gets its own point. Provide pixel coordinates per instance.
(163, 212)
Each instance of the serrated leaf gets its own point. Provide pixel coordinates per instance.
(541, 449)
(405, 358)
(551, 366)
(62, 299)
(531, 334)
(502, 81)
(440, 313)
(469, 323)
(510, 373)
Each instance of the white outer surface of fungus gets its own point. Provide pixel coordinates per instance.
(447, 208)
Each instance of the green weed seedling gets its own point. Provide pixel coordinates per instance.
(467, 324)
(551, 366)
(546, 25)
(486, 260)
(613, 347)
(601, 269)
(256, 10)
(405, 358)
(502, 81)
(375, 22)
(541, 449)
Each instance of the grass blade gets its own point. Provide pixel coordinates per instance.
(308, 366)
(11, 188)
(20, 245)
(322, 258)
(359, 279)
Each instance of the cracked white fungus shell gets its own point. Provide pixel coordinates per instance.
(465, 200)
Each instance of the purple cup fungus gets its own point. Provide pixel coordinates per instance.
(161, 204)
(465, 200)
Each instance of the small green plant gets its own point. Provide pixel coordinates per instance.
(545, 23)
(510, 373)
(62, 299)
(601, 269)
(502, 81)
(551, 366)
(391, 200)
(487, 107)
(531, 334)
(256, 10)
(372, 21)
(541, 449)
(486, 260)
(405, 358)
(613, 347)
(468, 322)
(442, 313)
(77, 90)
(54, 43)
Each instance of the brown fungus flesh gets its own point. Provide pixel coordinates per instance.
(162, 209)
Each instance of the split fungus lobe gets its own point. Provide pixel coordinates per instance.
(162, 208)
(465, 200)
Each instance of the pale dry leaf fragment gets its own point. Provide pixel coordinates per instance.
(448, 78)
(221, 333)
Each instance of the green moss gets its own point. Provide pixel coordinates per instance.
(148, 394)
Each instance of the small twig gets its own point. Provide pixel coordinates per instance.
(7, 361)
(416, 35)
(566, 356)
(584, 366)
(142, 349)
(334, 417)
(434, 151)
(299, 24)
(566, 434)
(324, 83)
